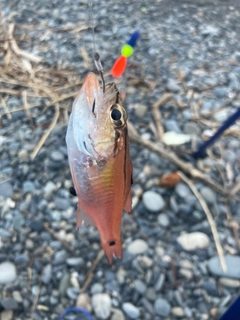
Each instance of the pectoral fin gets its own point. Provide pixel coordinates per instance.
(83, 218)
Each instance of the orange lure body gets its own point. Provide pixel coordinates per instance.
(98, 154)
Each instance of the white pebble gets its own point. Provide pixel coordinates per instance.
(193, 241)
(138, 246)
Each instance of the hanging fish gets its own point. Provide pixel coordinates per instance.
(98, 155)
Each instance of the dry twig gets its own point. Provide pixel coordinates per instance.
(89, 275)
(210, 220)
(64, 243)
(157, 114)
(185, 166)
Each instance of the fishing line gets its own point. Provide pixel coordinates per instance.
(96, 56)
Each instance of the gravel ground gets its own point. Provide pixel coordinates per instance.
(170, 268)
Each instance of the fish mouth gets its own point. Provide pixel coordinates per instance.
(92, 89)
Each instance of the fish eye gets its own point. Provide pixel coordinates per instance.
(118, 115)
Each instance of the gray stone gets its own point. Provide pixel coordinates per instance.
(162, 307)
(173, 86)
(163, 220)
(138, 246)
(49, 188)
(229, 283)
(193, 241)
(8, 272)
(75, 261)
(233, 267)
(160, 282)
(6, 189)
(209, 195)
(28, 186)
(192, 128)
(97, 288)
(57, 156)
(47, 274)
(178, 312)
(117, 315)
(131, 311)
(140, 110)
(61, 203)
(64, 283)
(9, 303)
(172, 125)
(153, 201)
(72, 293)
(182, 190)
(6, 315)
(140, 286)
(101, 303)
(60, 257)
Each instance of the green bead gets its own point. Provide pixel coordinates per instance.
(127, 50)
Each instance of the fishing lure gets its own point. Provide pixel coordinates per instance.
(98, 154)
(127, 50)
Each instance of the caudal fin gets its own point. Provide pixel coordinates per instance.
(112, 249)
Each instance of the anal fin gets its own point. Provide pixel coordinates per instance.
(82, 218)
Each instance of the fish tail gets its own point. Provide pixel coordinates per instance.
(112, 249)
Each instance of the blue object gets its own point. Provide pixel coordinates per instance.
(233, 312)
(132, 41)
(75, 309)
(201, 151)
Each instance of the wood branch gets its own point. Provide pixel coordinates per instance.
(210, 220)
(157, 114)
(172, 157)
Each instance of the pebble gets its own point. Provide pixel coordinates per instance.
(72, 293)
(101, 303)
(178, 312)
(73, 262)
(193, 241)
(57, 156)
(6, 189)
(61, 203)
(162, 307)
(47, 274)
(182, 190)
(138, 246)
(28, 186)
(191, 128)
(173, 86)
(233, 267)
(60, 257)
(163, 220)
(97, 288)
(130, 310)
(153, 201)
(140, 110)
(9, 304)
(49, 188)
(229, 283)
(117, 314)
(209, 195)
(8, 272)
(160, 282)
(140, 286)
(172, 125)
(171, 138)
(84, 301)
(6, 315)
(64, 283)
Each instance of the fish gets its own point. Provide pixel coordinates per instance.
(99, 159)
